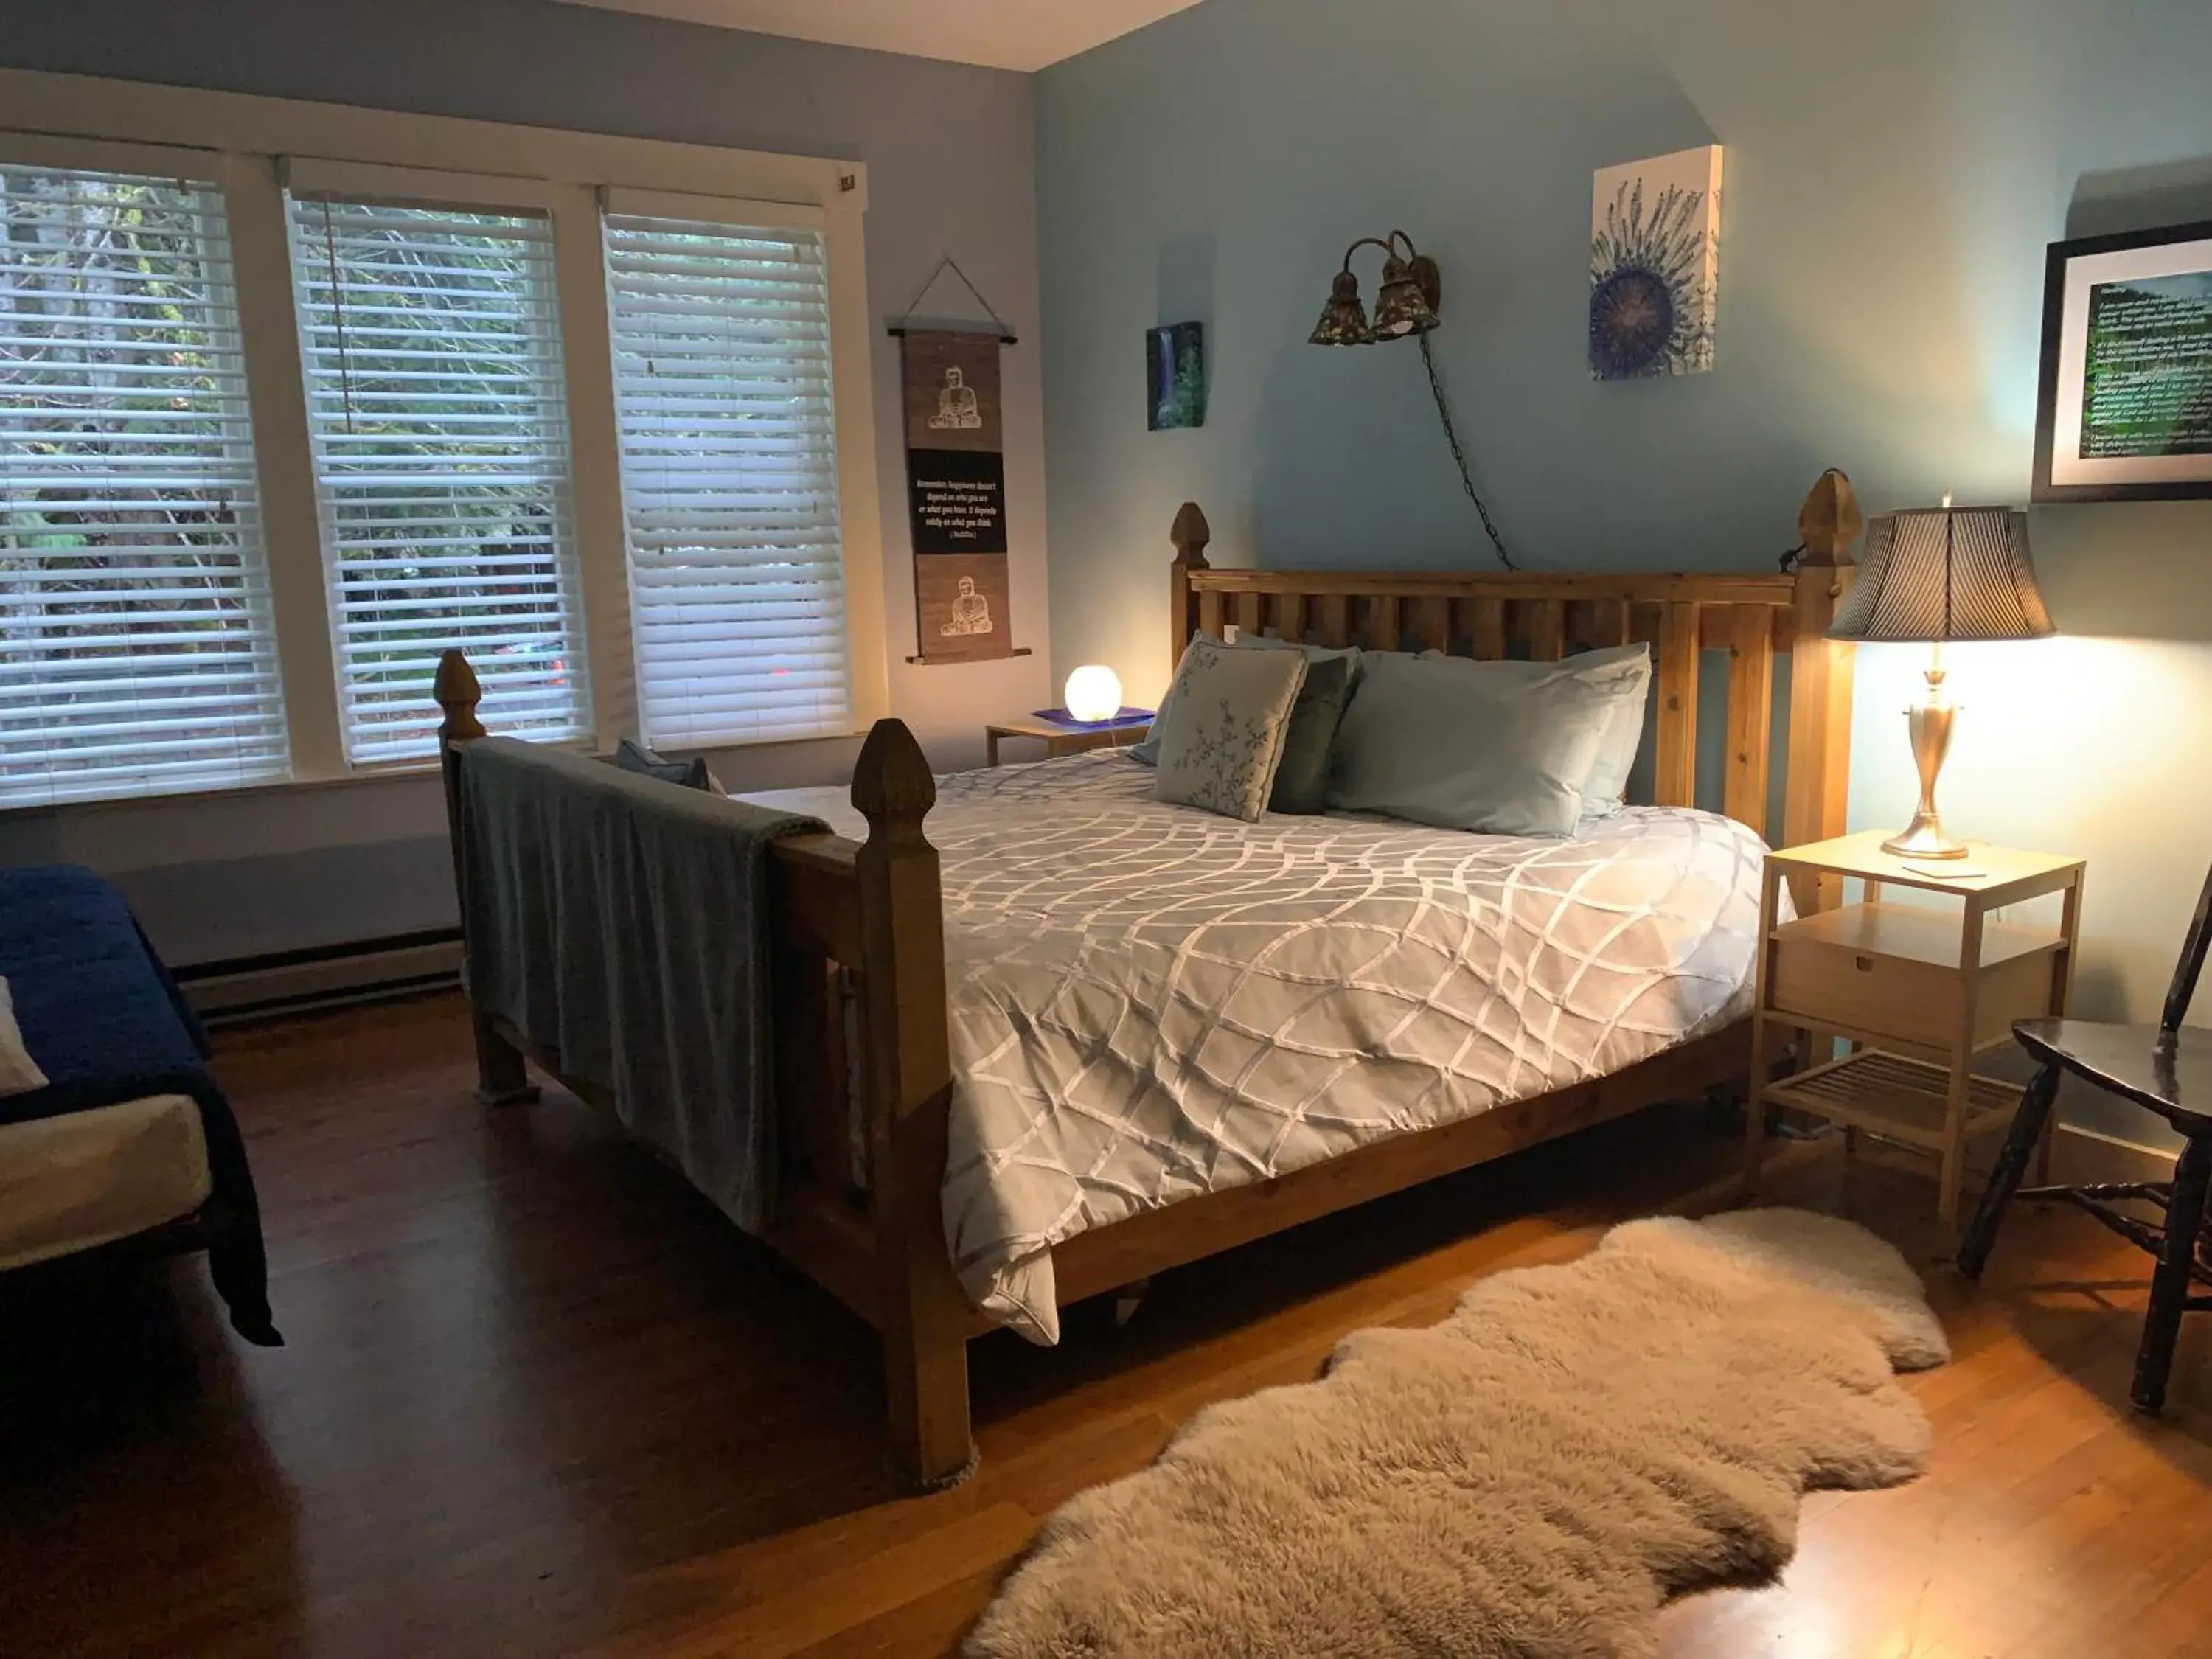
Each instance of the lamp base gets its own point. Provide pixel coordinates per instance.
(1930, 724)
(1925, 838)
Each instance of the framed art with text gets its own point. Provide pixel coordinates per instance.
(2124, 407)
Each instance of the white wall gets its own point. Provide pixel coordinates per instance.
(950, 155)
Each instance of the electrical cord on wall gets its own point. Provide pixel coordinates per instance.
(1458, 455)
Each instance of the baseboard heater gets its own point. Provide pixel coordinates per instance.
(244, 988)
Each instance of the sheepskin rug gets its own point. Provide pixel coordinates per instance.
(1533, 1477)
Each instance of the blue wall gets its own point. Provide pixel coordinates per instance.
(1894, 170)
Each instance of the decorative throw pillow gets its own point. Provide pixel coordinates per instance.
(1623, 674)
(19, 1072)
(1438, 740)
(1230, 710)
(633, 757)
(1149, 751)
(1302, 778)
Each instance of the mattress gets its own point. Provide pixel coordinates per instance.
(67, 1183)
(1149, 1002)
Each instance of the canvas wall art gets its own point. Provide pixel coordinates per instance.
(1174, 376)
(1655, 258)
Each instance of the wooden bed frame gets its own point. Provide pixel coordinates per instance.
(866, 919)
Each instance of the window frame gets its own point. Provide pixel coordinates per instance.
(259, 148)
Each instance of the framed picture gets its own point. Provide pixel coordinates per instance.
(2124, 408)
(1174, 376)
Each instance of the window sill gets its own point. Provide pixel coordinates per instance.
(388, 772)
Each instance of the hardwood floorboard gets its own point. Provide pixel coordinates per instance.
(538, 1398)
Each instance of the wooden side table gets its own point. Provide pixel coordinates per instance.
(1917, 990)
(1060, 739)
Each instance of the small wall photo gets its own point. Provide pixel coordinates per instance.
(1174, 377)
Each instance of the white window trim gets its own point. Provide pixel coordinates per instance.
(252, 145)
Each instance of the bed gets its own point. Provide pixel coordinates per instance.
(1037, 1037)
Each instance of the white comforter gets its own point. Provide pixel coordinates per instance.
(1149, 1002)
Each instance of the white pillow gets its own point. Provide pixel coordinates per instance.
(1623, 673)
(1438, 739)
(19, 1072)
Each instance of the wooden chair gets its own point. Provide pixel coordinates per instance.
(2164, 1068)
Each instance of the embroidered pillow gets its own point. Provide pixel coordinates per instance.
(1149, 751)
(1228, 713)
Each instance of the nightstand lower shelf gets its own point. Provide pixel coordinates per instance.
(1891, 1095)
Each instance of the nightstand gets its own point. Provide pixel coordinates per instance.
(1064, 736)
(1918, 990)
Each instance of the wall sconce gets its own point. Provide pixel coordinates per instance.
(1405, 304)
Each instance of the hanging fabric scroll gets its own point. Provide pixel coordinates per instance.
(956, 472)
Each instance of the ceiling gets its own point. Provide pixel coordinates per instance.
(1016, 35)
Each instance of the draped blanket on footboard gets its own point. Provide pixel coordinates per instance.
(1149, 1002)
(618, 923)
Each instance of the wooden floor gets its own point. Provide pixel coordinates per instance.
(539, 1399)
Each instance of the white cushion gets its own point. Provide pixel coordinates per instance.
(19, 1072)
(1438, 740)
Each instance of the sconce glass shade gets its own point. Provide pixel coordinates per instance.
(1400, 308)
(1093, 693)
(1343, 320)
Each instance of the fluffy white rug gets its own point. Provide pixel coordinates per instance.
(1532, 1477)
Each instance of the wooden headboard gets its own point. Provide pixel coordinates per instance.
(1756, 617)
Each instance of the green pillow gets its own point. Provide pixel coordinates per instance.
(1302, 775)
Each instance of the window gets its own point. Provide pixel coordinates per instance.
(431, 344)
(286, 413)
(137, 645)
(729, 476)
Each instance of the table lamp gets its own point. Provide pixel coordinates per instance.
(1935, 574)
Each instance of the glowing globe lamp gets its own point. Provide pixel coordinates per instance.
(1093, 693)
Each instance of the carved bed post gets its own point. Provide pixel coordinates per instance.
(906, 1078)
(501, 1078)
(1820, 684)
(1190, 534)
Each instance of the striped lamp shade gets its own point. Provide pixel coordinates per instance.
(1953, 572)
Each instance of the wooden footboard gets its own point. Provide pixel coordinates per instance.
(863, 1074)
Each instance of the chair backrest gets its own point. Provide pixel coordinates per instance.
(2182, 991)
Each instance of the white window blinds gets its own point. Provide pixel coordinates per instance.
(729, 467)
(432, 347)
(136, 647)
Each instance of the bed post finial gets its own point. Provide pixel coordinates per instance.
(1821, 684)
(458, 692)
(1830, 521)
(892, 785)
(1190, 533)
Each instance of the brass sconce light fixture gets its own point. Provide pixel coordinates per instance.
(1406, 304)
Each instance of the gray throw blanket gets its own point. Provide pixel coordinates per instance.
(617, 921)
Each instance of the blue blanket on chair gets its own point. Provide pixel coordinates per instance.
(105, 1022)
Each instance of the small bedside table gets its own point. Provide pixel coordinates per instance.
(1918, 991)
(1060, 738)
